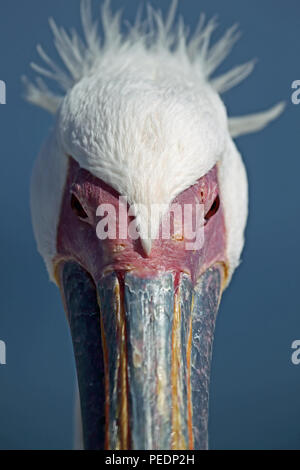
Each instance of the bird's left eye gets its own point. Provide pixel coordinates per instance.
(77, 208)
(213, 210)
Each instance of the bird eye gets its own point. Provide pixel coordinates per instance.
(77, 208)
(213, 210)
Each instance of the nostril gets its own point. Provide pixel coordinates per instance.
(77, 208)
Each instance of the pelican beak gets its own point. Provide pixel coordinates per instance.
(143, 350)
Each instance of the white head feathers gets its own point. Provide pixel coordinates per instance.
(138, 104)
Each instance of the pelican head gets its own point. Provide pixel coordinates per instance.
(141, 137)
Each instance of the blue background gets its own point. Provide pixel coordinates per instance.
(255, 389)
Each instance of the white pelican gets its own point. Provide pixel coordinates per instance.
(140, 116)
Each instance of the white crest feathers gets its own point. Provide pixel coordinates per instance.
(156, 36)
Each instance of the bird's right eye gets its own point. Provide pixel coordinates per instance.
(77, 208)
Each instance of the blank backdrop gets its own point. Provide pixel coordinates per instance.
(255, 399)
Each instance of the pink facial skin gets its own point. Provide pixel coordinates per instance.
(77, 239)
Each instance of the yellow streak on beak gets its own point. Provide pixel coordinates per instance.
(189, 389)
(106, 372)
(123, 414)
(123, 435)
(178, 440)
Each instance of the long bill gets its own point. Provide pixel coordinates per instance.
(143, 352)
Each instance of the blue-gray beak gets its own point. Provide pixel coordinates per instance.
(143, 351)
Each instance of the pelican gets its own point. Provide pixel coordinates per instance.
(140, 124)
